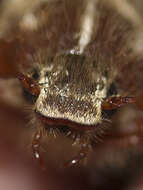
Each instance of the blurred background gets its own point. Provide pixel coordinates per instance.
(54, 25)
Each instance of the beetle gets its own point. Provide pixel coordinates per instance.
(72, 90)
(71, 93)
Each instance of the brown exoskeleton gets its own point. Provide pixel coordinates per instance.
(72, 91)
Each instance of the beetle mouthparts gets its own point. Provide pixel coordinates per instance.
(58, 122)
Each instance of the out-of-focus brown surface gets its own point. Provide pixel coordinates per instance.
(8, 67)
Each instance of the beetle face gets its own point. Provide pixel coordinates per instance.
(72, 89)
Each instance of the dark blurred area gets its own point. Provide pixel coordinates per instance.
(116, 161)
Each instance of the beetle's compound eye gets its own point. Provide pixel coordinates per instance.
(112, 90)
(35, 75)
(31, 88)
